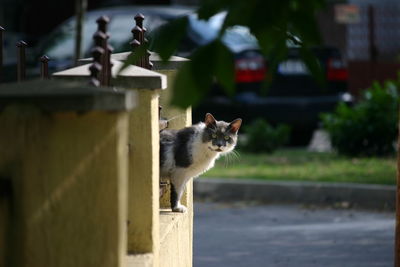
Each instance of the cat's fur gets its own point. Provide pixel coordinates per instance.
(189, 152)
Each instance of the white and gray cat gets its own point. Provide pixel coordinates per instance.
(189, 152)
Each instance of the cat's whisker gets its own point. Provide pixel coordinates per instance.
(175, 117)
(225, 161)
(231, 157)
(235, 154)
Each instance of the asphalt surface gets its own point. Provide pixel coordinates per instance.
(239, 234)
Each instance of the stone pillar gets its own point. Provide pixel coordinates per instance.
(143, 159)
(63, 151)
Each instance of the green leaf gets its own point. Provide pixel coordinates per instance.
(313, 65)
(194, 79)
(135, 56)
(269, 21)
(304, 26)
(209, 8)
(185, 90)
(224, 67)
(167, 38)
(239, 13)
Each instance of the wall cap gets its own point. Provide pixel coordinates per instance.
(173, 63)
(132, 76)
(59, 96)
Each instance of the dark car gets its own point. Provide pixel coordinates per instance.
(293, 97)
(249, 63)
(59, 44)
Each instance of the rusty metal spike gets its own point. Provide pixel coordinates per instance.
(21, 44)
(21, 63)
(136, 31)
(44, 67)
(95, 69)
(1, 52)
(147, 63)
(102, 23)
(134, 44)
(96, 53)
(108, 65)
(105, 75)
(44, 58)
(139, 20)
(144, 30)
(99, 37)
(110, 48)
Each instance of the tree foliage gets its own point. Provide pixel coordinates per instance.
(264, 138)
(370, 127)
(273, 23)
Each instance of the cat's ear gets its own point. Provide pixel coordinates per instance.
(235, 125)
(210, 120)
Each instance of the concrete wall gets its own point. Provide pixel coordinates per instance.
(69, 187)
(85, 185)
(176, 230)
(143, 207)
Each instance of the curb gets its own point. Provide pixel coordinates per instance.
(345, 195)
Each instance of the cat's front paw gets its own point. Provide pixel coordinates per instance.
(179, 208)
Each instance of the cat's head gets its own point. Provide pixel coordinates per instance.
(220, 136)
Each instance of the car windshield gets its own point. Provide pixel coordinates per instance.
(60, 43)
(236, 38)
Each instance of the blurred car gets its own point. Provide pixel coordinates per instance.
(59, 44)
(249, 63)
(9, 68)
(293, 97)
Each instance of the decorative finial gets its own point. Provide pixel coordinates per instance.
(44, 67)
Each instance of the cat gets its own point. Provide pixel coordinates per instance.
(189, 152)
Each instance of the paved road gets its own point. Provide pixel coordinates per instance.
(237, 235)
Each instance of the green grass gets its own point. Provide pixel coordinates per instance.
(301, 165)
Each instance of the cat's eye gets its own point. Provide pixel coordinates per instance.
(226, 137)
(214, 135)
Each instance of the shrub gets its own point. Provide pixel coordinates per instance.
(262, 137)
(370, 127)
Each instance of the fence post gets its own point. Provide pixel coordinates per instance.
(172, 246)
(96, 67)
(143, 207)
(139, 23)
(44, 67)
(136, 43)
(21, 64)
(180, 238)
(1, 53)
(106, 63)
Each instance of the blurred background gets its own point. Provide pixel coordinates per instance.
(342, 130)
(360, 45)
